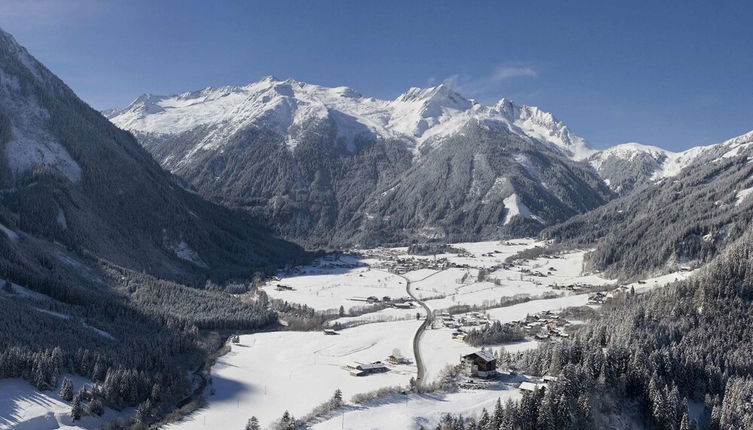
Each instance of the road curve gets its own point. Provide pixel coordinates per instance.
(417, 337)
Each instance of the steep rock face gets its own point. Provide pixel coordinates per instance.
(69, 176)
(330, 166)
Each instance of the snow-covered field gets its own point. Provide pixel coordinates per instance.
(268, 373)
(329, 288)
(408, 412)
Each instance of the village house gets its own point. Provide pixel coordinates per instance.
(359, 369)
(397, 359)
(531, 387)
(330, 331)
(405, 305)
(481, 364)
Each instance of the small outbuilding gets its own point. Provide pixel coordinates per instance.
(531, 387)
(368, 368)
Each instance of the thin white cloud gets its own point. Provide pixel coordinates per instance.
(490, 84)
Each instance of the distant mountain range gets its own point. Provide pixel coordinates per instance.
(330, 166)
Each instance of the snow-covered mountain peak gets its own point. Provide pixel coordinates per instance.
(441, 96)
(417, 117)
(543, 126)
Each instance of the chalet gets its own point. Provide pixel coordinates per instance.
(481, 364)
(372, 299)
(549, 378)
(368, 368)
(330, 331)
(281, 287)
(531, 387)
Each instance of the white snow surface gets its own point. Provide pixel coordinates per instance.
(324, 288)
(268, 373)
(409, 412)
(742, 195)
(516, 207)
(418, 116)
(23, 407)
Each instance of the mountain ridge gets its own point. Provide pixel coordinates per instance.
(314, 160)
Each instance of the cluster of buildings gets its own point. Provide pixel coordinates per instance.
(472, 319)
(544, 325)
(399, 303)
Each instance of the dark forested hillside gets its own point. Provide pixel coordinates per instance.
(675, 358)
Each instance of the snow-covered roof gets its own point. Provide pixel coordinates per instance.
(371, 366)
(484, 355)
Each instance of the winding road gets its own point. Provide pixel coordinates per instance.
(417, 337)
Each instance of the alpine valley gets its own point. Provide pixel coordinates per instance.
(290, 256)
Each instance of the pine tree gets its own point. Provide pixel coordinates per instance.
(76, 409)
(685, 422)
(156, 394)
(341, 312)
(337, 399)
(484, 422)
(143, 411)
(498, 414)
(253, 424)
(66, 391)
(95, 407)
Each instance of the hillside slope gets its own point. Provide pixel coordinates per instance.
(684, 220)
(629, 166)
(68, 176)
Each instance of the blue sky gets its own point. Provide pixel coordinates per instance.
(668, 73)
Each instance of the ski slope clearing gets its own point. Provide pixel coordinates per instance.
(414, 410)
(23, 407)
(268, 373)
